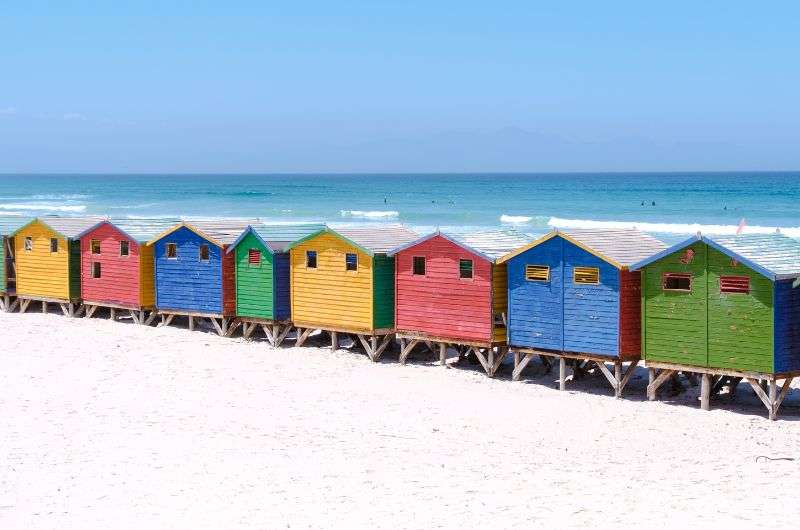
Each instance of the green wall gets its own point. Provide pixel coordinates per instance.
(74, 269)
(254, 283)
(705, 327)
(383, 292)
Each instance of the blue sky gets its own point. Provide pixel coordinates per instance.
(390, 86)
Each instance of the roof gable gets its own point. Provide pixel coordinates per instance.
(277, 238)
(369, 239)
(487, 244)
(65, 227)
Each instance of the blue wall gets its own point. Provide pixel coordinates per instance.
(186, 283)
(281, 286)
(561, 315)
(787, 327)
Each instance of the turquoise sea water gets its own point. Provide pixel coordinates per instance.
(666, 203)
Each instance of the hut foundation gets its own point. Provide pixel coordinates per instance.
(770, 392)
(489, 355)
(8, 302)
(374, 342)
(69, 308)
(139, 315)
(222, 324)
(581, 363)
(275, 331)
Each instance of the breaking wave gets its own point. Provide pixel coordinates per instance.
(42, 206)
(376, 214)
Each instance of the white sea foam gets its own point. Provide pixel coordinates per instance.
(375, 214)
(43, 206)
(673, 228)
(515, 219)
(59, 197)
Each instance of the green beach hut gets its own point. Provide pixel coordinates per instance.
(262, 277)
(723, 307)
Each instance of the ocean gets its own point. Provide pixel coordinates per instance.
(669, 204)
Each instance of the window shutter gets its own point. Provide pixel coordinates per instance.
(537, 273)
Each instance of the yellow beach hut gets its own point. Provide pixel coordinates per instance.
(48, 261)
(342, 281)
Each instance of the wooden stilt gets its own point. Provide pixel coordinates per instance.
(705, 391)
(334, 341)
(112, 313)
(23, 306)
(658, 380)
(773, 398)
(191, 323)
(443, 354)
(151, 318)
(609, 376)
(44, 307)
(627, 376)
(562, 373)
(302, 335)
(520, 366)
(406, 349)
(217, 326)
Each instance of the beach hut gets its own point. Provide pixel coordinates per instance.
(723, 307)
(450, 291)
(8, 298)
(342, 281)
(571, 296)
(262, 277)
(47, 260)
(194, 276)
(117, 267)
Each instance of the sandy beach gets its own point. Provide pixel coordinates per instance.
(114, 425)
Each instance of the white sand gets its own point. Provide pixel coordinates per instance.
(112, 425)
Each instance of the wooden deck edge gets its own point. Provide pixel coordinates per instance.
(719, 371)
(49, 300)
(179, 313)
(574, 355)
(352, 331)
(118, 306)
(449, 340)
(255, 320)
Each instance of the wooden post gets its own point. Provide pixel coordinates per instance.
(334, 341)
(618, 378)
(191, 323)
(773, 399)
(112, 313)
(44, 307)
(705, 391)
(443, 354)
(562, 373)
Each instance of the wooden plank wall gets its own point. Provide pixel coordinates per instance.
(186, 283)
(383, 292)
(254, 283)
(630, 314)
(147, 284)
(228, 282)
(40, 272)
(120, 275)
(499, 300)
(330, 296)
(281, 286)
(787, 327)
(440, 303)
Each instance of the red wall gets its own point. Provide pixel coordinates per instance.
(440, 303)
(119, 281)
(630, 314)
(228, 282)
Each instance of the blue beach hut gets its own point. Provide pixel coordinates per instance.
(571, 296)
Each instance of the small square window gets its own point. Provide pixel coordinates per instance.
(203, 252)
(465, 268)
(53, 244)
(537, 273)
(96, 269)
(586, 275)
(419, 265)
(254, 257)
(677, 282)
(311, 259)
(124, 248)
(28, 244)
(172, 251)
(734, 284)
(351, 262)
(95, 246)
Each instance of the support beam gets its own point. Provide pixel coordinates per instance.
(705, 391)
(443, 354)
(482, 359)
(151, 318)
(627, 376)
(280, 333)
(406, 348)
(191, 323)
(334, 341)
(562, 373)
(520, 366)
(609, 376)
(217, 326)
(657, 381)
(302, 335)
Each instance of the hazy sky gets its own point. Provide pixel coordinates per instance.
(399, 86)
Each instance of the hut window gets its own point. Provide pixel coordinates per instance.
(53, 244)
(465, 268)
(254, 257)
(419, 265)
(95, 246)
(586, 275)
(28, 244)
(677, 282)
(95, 269)
(351, 262)
(734, 284)
(203, 252)
(172, 251)
(499, 320)
(124, 248)
(311, 259)
(537, 273)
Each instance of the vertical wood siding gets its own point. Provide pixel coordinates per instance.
(3, 264)
(186, 283)
(787, 327)
(630, 314)
(440, 303)
(40, 272)
(740, 325)
(383, 292)
(228, 282)
(499, 300)
(536, 309)
(591, 312)
(254, 283)
(675, 323)
(147, 276)
(281, 286)
(330, 296)
(119, 280)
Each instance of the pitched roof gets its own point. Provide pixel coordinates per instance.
(490, 244)
(11, 223)
(776, 256)
(138, 229)
(221, 232)
(372, 239)
(69, 227)
(278, 237)
(620, 247)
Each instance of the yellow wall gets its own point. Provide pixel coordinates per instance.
(499, 298)
(147, 294)
(330, 296)
(40, 272)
